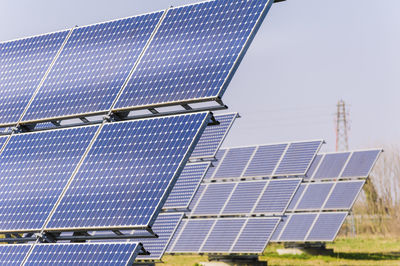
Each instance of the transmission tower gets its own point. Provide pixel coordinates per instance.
(342, 127)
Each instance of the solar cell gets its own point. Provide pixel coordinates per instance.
(23, 65)
(128, 173)
(279, 228)
(197, 196)
(213, 137)
(209, 40)
(234, 162)
(361, 163)
(211, 171)
(344, 194)
(298, 158)
(277, 196)
(186, 186)
(297, 227)
(34, 169)
(296, 197)
(314, 165)
(176, 234)
(222, 235)
(13, 254)
(255, 235)
(192, 235)
(92, 68)
(265, 160)
(314, 196)
(164, 226)
(214, 198)
(84, 254)
(332, 165)
(326, 226)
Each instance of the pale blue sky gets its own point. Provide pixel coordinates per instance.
(307, 55)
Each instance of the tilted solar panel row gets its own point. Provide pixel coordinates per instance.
(116, 175)
(274, 160)
(225, 235)
(70, 254)
(181, 55)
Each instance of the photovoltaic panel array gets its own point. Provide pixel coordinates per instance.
(286, 159)
(186, 186)
(209, 40)
(250, 197)
(84, 254)
(34, 169)
(128, 173)
(13, 254)
(228, 235)
(92, 68)
(213, 137)
(23, 64)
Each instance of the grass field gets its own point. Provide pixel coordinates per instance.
(362, 250)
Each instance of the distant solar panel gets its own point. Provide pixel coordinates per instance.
(344, 194)
(314, 165)
(84, 254)
(23, 64)
(332, 165)
(210, 39)
(186, 186)
(327, 226)
(164, 227)
(128, 173)
(13, 254)
(265, 160)
(213, 137)
(361, 163)
(234, 162)
(297, 196)
(211, 171)
(175, 236)
(192, 235)
(92, 68)
(297, 226)
(314, 196)
(34, 169)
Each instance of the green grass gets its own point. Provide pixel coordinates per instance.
(362, 250)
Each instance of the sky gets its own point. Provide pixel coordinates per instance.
(307, 55)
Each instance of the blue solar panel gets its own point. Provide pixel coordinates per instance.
(244, 197)
(34, 169)
(361, 163)
(314, 165)
(211, 171)
(327, 226)
(277, 196)
(213, 137)
(128, 173)
(314, 196)
(197, 196)
(298, 158)
(92, 68)
(3, 140)
(296, 197)
(186, 186)
(214, 198)
(13, 254)
(265, 160)
(164, 227)
(255, 235)
(234, 162)
(192, 236)
(281, 225)
(208, 39)
(332, 165)
(84, 254)
(223, 235)
(23, 64)
(344, 194)
(297, 227)
(176, 235)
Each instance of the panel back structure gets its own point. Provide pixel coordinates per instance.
(210, 39)
(23, 66)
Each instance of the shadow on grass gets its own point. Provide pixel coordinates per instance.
(367, 256)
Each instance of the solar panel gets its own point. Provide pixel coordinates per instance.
(314, 196)
(297, 226)
(214, 198)
(234, 162)
(344, 194)
(92, 68)
(213, 137)
(186, 186)
(128, 173)
(197, 196)
(176, 235)
(84, 254)
(3, 140)
(13, 254)
(277, 196)
(314, 165)
(326, 226)
(34, 169)
(297, 158)
(211, 171)
(332, 165)
(209, 41)
(222, 235)
(298, 195)
(255, 235)
(279, 228)
(164, 226)
(23, 65)
(265, 160)
(361, 163)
